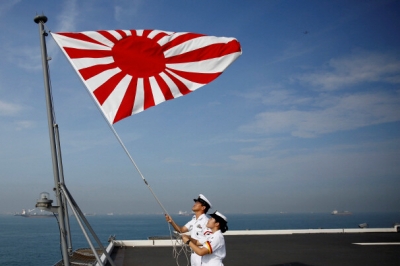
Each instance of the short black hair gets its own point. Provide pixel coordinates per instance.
(204, 203)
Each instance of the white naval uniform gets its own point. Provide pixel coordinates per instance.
(215, 243)
(198, 231)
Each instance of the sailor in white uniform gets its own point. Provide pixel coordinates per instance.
(212, 249)
(197, 226)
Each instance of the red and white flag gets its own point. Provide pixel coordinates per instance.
(128, 71)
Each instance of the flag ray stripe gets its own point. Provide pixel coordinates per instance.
(179, 84)
(122, 33)
(79, 36)
(126, 106)
(113, 102)
(156, 35)
(148, 94)
(117, 34)
(80, 53)
(208, 52)
(88, 62)
(172, 87)
(146, 33)
(214, 65)
(94, 82)
(139, 97)
(192, 86)
(92, 71)
(201, 78)
(159, 36)
(194, 44)
(180, 39)
(79, 44)
(105, 89)
(158, 95)
(165, 89)
(167, 38)
(109, 36)
(96, 35)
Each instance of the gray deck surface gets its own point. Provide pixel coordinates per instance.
(288, 250)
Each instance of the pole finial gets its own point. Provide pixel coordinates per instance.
(40, 18)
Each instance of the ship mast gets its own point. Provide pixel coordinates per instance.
(63, 196)
(62, 209)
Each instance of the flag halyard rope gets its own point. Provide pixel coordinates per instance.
(137, 168)
(184, 249)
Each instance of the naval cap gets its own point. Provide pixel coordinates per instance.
(203, 200)
(220, 218)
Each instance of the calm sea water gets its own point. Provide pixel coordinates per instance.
(35, 241)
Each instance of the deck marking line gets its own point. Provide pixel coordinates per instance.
(378, 244)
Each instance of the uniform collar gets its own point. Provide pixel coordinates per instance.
(200, 217)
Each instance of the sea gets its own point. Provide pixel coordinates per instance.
(36, 241)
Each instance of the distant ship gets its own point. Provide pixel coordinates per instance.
(336, 212)
(35, 214)
(183, 213)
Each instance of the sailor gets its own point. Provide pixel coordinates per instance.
(197, 226)
(212, 249)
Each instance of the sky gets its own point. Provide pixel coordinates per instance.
(307, 119)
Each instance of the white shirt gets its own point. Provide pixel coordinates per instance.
(198, 228)
(215, 243)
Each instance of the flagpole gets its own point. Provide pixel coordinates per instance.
(41, 20)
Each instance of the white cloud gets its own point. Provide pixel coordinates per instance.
(125, 9)
(26, 57)
(29, 57)
(358, 68)
(293, 51)
(68, 18)
(350, 163)
(340, 113)
(309, 113)
(20, 125)
(7, 109)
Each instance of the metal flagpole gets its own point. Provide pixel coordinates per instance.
(41, 20)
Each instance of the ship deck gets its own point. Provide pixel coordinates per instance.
(322, 247)
(305, 248)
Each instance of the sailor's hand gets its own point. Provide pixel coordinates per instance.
(185, 238)
(168, 218)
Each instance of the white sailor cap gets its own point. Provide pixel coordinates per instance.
(204, 201)
(221, 219)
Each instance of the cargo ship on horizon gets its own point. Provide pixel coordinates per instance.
(36, 214)
(336, 212)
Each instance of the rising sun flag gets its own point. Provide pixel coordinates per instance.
(129, 71)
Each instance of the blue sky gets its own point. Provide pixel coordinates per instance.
(306, 120)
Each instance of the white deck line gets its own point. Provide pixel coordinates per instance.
(312, 231)
(378, 244)
(109, 250)
(163, 242)
(145, 243)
